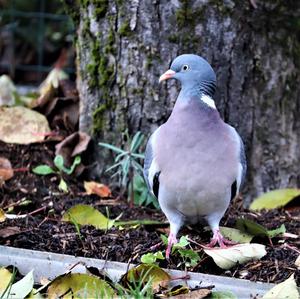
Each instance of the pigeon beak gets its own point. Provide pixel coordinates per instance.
(167, 75)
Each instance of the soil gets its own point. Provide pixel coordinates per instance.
(42, 228)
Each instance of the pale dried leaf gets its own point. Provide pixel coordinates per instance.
(285, 290)
(242, 253)
(22, 125)
(23, 287)
(297, 262)
(7, 91)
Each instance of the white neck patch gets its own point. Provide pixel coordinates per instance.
(208, 101)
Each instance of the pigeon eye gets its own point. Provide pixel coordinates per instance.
(185, 67)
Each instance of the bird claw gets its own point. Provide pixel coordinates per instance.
(220, 240)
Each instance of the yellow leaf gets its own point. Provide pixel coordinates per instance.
(5, 279)
(78, 285)
(226, 258)
(97, 188)
(285, 290)
(22, 125)
(146, 272)
(2, 215)
(274, 199)
(87, 215)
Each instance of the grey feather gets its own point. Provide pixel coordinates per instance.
(148, 161)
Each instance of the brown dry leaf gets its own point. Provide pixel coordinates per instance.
(22, 126)
(72, 146)
(9, 231)
(197, 294)
(6, 171)
(97, 188)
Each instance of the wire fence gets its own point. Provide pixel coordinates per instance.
(32, 35)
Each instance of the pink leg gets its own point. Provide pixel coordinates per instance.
(218, 238)
(171, 240)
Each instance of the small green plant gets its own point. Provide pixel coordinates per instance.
(129, 170)
(189, 256)
(60, 168)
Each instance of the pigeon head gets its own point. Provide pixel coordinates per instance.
(194, 73)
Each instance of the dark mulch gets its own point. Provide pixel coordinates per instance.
(43, 229)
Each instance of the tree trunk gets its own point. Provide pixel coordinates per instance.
(124, 46)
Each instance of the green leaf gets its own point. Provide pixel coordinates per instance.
(43, 170)
(183, 242)
(256, 229)
(274, 199)
(76, 162)
(277, 231)
(190, 255)
(79, 285)
(59, 162)
(287, 290)
(236, 235)
(87, 215)
(151, 258)
(222, 295)
(164, 238)
(63, 186)
(112, 147)
(136, 141)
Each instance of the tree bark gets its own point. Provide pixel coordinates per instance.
(124, 46)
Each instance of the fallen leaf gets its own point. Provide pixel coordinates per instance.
(196, 294)
(285, 290)
(236, 235)
(87, 215)
(297, 262)
(222, 295)
(256, 229)
(73, 145)
(34, 295)
(79, 285)
(22, 125)
(6, 232)
(7, 91)
(228, 257)
(6, 276)
(6, 171)
(146, 272)
(97, 188)
(274, 199)
(52, 80)
(23, 287)
(2, 215)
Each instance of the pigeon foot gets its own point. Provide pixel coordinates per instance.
(220, 240)
(171, 240)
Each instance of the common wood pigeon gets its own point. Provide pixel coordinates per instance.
(194, 163)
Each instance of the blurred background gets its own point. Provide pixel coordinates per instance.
(33, 35)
